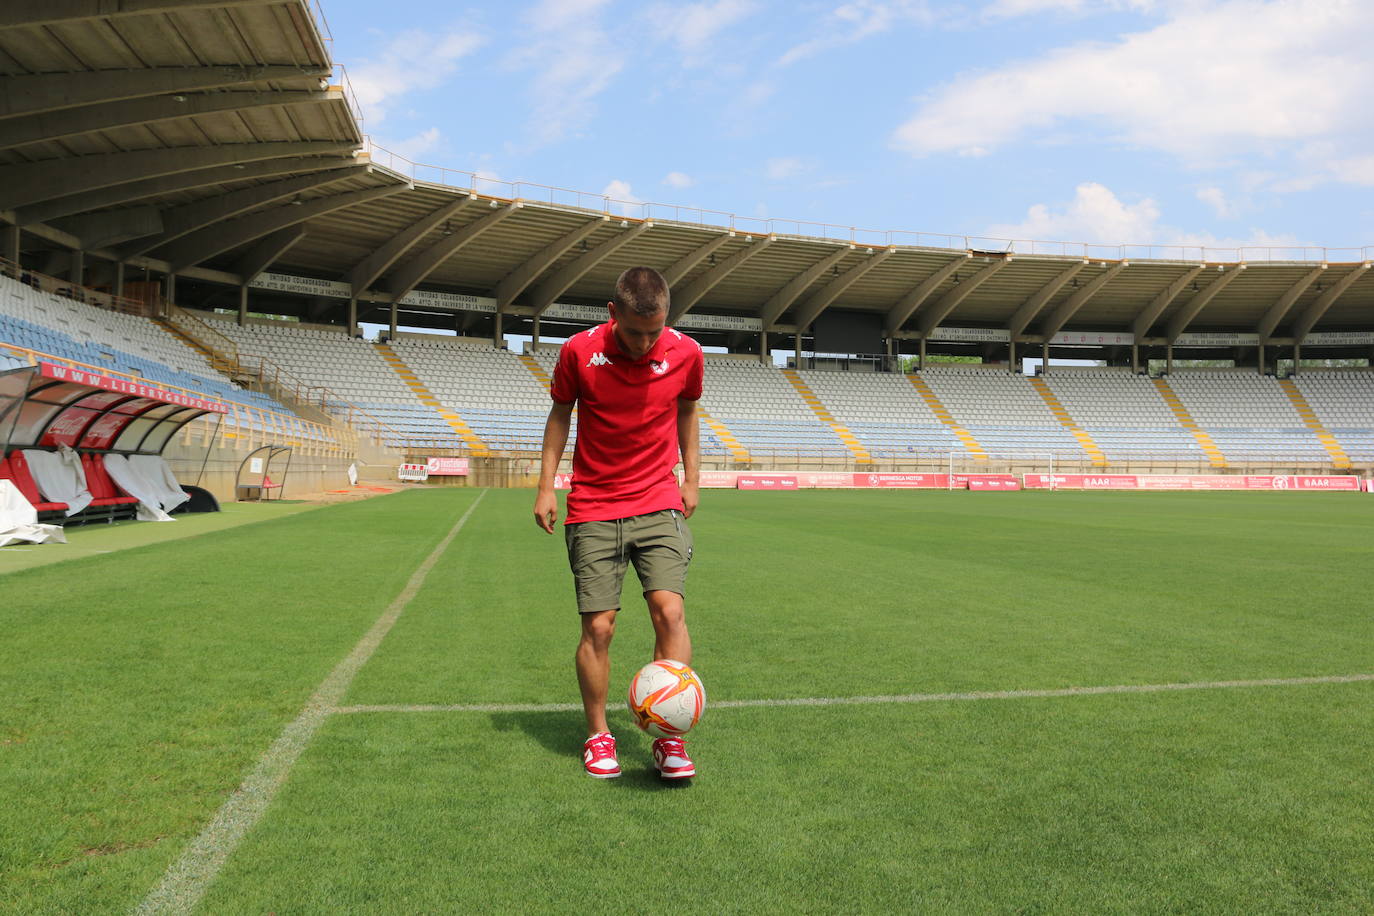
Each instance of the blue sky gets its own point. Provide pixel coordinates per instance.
(1107, 121)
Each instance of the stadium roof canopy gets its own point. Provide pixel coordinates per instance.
(216, 140)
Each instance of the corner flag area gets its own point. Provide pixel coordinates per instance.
(918, 701)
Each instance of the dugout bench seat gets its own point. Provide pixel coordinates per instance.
(108, 504)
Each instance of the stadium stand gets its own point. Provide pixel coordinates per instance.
(1001, 411)
(349, 368)
(883, 411)
(448, 392)
(1246, 414)
(1124, 414)
(63, 327)
(1343, 402)
(490, 389)
(764, 412)
(437, 388)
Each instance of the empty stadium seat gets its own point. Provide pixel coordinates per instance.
(22, 477)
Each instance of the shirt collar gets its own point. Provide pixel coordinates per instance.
(655, 354)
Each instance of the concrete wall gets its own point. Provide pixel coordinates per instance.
(198, 452)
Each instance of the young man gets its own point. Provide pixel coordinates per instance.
(637, 384)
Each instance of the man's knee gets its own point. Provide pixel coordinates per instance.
(598, 627)
(666, 608)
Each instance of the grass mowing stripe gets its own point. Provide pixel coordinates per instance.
(899, 698)
(188, 878)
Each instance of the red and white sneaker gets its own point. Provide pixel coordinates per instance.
(598, 756)
(671, 760)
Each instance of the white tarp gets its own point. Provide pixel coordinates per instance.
(158, 473)
(131, 481)
(19, 520)
(60, 477)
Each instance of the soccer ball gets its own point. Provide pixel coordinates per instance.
(666, 698)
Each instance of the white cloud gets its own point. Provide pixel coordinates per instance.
(693, 26)
(1216, 199)
(678, 180)
(395, 72)
(1096, 216)
(782, 168)
(573, 60)
(1220, 79)
(854, 21)
(1006, 9)
(622, 197)
(414, 147)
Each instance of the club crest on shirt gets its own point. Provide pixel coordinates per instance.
(598, 359)
(658, 367)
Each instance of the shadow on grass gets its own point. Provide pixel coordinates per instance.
(561, 734)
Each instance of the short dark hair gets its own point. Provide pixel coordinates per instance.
(641, 290)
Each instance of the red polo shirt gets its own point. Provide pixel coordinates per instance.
(627, 442)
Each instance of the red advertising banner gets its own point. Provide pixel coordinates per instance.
(125, 386)
(1351, 484)
(765, 482)
(1003, 482)
(904, 481)
(829, 480)
(1082, 482)
(1191, 482)
(447, 467)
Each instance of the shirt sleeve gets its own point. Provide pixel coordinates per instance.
(564, 389)
(691, 386)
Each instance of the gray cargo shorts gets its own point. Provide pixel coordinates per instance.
(659, 544)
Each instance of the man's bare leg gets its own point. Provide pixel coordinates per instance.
(594, 667)
(667, 612)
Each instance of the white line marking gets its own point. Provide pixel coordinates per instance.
(897, 698)
(187, 879)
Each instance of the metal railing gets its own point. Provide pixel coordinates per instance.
(86, 294)
(491, 186)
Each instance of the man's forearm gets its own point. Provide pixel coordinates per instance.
(689, 442)
(556, 430)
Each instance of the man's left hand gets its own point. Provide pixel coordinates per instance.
(689, 499)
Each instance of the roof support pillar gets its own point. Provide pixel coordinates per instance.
(38, 93)
(820, 300)
(683, 299)
(30, 13)
(414, 272)
(11, 244)
(1313, 313)
(548, 291)
(684, 265)
(212, 240)
(1179, 323)
(931, 319)
(1032, 306)
(1281, 305)
(909, 304)
(27, 183)
(1150, 314)
(1070, 306)
(365, 272)
(782, 300)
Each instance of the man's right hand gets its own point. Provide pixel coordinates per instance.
(546, 510)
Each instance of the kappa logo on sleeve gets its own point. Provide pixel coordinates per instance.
(598, 359)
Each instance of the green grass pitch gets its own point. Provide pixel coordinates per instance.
(139, 688)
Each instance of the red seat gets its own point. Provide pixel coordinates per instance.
(98, 481)
(23, 479)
